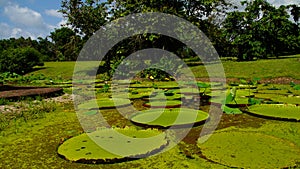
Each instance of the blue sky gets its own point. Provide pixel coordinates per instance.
(29, 18)
(37, 18)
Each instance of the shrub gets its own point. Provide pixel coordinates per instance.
(20, 60)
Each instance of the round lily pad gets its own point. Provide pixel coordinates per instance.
(141, 85)
(104, 103)
(187, 91)
(98, 146)
(168, 87)
(249, 150)
(162, 96)
(283, 112)
(169, 117)
(132, 95)
(288, 99)
(163, 104)
(91, 112)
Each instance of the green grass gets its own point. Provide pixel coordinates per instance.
(61, 70)
(285, 67)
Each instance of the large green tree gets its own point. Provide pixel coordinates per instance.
(261, 30)
(67, 44)
(87, 16)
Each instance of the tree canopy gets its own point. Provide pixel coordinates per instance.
(262, 30)
(259, 30)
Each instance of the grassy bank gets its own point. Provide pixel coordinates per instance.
(265, 69)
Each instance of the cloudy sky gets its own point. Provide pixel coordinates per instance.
(29, 18)
(37, 18)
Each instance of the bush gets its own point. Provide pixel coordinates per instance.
(20, 60)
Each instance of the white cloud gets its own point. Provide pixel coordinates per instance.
(24, 16)
(7, 32)
(277, 3)
(54, 13)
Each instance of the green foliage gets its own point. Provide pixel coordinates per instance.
(169, 117)
(231, 96)
(86, 17)
(66, 43)
(253, 101)
(4, 101)
(105, 88)
(26, 111)
(229, 110)
(8, 77)
(261, 30)
(11, 59)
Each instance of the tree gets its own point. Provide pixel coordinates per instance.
(67, 44)
(261, 30)
(87, 16)
(20, 60)
(46, 48)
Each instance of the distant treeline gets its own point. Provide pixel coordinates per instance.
(261, 30)
(61, 45)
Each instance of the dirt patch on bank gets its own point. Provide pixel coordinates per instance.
(19, 92)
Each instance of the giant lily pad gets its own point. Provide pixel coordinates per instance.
(288, 99)
(169, 117)
(98, 146)
(284, 112)
(163, 104)
(162, 96)
(187, 91)
(249, 150)
(104, 103)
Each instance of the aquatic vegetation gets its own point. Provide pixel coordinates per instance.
(283, 112)
(104, 103)
(229, 110)
(129, 143)
(163, 104)
(169, 117)
(241, 149)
